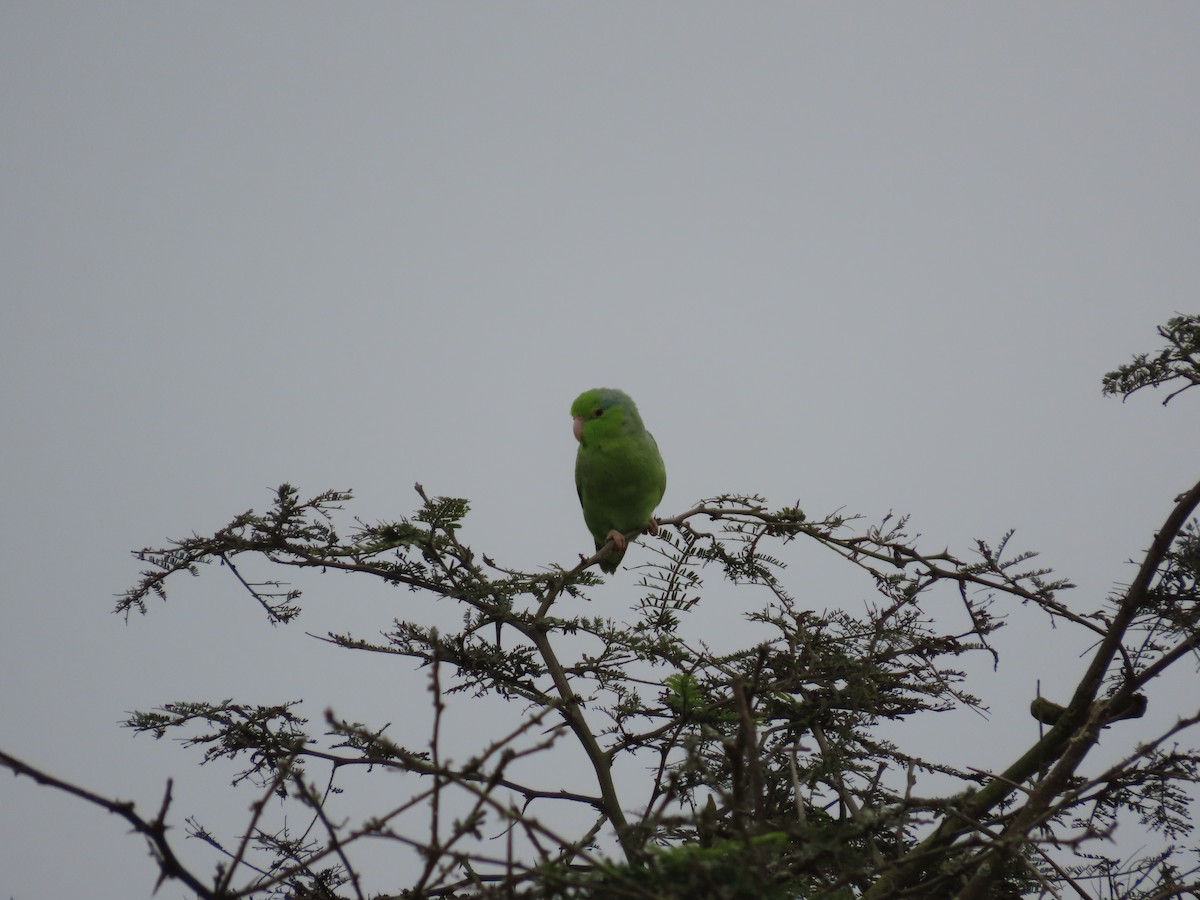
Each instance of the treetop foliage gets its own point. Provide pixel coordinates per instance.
(770, 771)
(1179, 360)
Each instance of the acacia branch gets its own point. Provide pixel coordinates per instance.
(155, 830)
(1068, 741)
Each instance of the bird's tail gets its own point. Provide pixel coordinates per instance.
(609, 564)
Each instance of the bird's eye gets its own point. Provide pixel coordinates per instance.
(597, 412)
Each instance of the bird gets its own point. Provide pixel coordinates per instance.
(619, 473)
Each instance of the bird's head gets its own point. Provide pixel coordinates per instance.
(603, 411)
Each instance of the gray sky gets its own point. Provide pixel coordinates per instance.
(873, 257)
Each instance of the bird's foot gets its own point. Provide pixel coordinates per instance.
(652, 528)
(617, 538)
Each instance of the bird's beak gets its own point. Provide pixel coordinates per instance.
(577, 427)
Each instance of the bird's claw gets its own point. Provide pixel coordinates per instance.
(617, 538)
(652, 528)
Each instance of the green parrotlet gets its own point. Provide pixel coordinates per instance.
(619, 474)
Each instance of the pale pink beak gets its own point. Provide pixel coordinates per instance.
(577, 427)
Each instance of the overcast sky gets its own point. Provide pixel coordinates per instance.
(864, 256)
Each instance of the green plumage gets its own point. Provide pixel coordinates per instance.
(619, 474)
